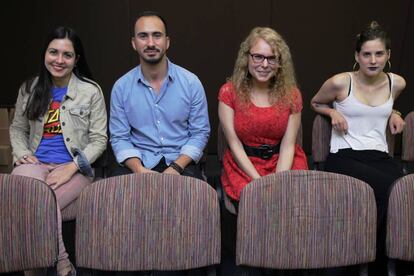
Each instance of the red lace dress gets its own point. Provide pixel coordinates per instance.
(256, 126)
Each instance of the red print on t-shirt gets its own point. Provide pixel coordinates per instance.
(52, 125)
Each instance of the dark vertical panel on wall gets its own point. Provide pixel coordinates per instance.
(205, 36)
(321, 35)
(102, 26)
(320, 39)
(20, 48)
(406, 100)
(393, 16)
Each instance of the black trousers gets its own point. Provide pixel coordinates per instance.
(379, 170)
(192, 169)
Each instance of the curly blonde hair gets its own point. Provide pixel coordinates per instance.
(284, 81)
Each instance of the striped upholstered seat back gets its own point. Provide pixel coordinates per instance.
(407, 153)
(148, 222)
(306, 219)
(400, 224)
(321, 138)
(28, 224)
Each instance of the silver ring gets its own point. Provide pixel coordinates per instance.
(25, 157)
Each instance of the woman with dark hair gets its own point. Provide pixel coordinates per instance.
(59, 127)
(362, 105)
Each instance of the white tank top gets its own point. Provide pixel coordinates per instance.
(366, 124)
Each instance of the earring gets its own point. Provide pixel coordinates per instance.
(389, 66)
(354, 68)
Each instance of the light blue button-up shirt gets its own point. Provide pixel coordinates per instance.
(150, 126)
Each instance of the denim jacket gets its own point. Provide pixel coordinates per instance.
(82, 116)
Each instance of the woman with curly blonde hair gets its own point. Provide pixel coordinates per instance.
(260, 112)
(282, 84)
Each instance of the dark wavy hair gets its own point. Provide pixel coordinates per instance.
(40, 91)
(372, 32)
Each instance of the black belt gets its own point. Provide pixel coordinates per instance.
(262, 151)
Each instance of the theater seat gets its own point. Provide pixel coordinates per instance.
(407, 153)
(146, 222)
(306, 220)
(28, 224)
(400, 222)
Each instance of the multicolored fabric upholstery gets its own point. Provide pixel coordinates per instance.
(390, 141)
(148, 222)
(28, 224)
(407, 153)
(321, 140)
(400, 224)
(299, 137)
(306, 219)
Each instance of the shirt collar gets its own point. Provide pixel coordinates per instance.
(170, 73)
(71, 93)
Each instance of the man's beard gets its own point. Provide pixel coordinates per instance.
(152, 60)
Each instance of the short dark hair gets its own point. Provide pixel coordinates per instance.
(372, 32)
(150, 13)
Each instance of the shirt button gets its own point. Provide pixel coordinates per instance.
(162, 138)
(158, 122)
(67, 139)
(63, 107)
(81, 113)
(63, 123)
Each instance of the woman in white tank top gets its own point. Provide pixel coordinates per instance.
(359, 104)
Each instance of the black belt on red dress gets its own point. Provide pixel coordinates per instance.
(262, 151)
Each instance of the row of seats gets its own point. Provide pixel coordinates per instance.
(321, 136)
(321, 133)
(143, 222)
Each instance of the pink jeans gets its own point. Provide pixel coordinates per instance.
(65, 194)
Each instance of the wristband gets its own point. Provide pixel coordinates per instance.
(397, 112)
(176, 167)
